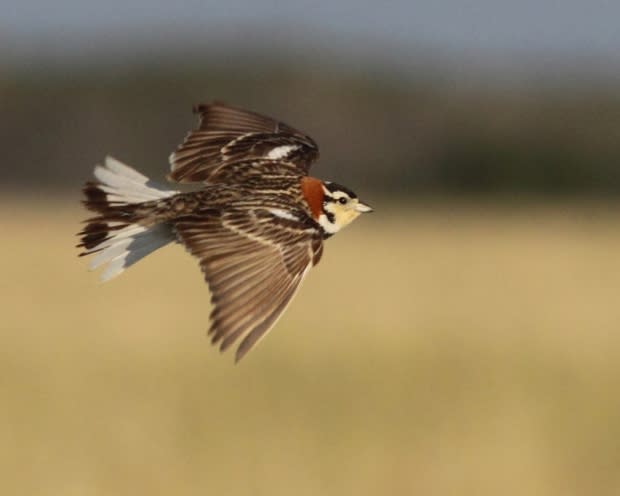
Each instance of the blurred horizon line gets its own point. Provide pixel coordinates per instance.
(47, 52)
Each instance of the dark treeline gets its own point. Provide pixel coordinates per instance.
(376, 130)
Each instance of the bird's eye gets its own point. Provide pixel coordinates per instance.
(342, 200)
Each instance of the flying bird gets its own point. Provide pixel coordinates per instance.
(257, 223)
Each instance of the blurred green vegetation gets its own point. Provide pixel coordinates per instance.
(378, 129)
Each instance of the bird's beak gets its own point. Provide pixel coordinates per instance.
(362, 208)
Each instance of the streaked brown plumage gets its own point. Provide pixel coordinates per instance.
(256, 226)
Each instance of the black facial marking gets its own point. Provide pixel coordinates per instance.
(333, 187)
(330, 216)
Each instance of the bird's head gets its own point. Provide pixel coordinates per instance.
(340, 207)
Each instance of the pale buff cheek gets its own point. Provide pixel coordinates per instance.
(350, 216)
(343, 216)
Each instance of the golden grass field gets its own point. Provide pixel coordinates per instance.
(436, 350)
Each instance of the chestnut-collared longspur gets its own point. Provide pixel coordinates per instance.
(257, 224)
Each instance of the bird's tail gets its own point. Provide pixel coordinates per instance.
(121, 234)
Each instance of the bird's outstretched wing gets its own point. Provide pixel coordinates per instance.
(253, 262)
(226, 135)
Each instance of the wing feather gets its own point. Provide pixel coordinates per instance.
(226, 135)
(253, 266)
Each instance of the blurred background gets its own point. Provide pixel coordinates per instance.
(464, 339)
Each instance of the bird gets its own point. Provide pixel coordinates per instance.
(257, 222)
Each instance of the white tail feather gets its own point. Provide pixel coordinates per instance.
(126, 185)
(126, 251)
(122, 248)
